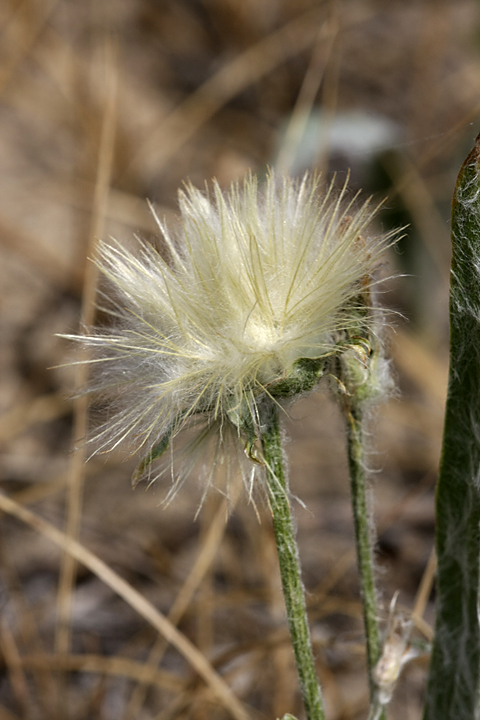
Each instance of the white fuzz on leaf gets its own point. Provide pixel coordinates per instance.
(253, 296)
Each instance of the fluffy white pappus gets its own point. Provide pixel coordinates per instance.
(254, 282)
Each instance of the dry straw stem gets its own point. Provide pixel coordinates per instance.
(38, 410)
(421, 204)
(144, 672)
(205, 600)
(421, 366)
(201, 566)
(137, 601)
(32, 251)
(36, 16)
(183, 122)
(22, 618)
(306, 97)
(423, 593)
(123, 207)
(169, 135)
(77, 468)
(15, 670)
(328, 103)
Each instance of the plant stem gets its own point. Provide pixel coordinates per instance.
(356, 462)
(453, 689)
(376, 711)
(293, 590)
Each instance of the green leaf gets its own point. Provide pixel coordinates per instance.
(454, 678)
(159, 448)
(156, 452)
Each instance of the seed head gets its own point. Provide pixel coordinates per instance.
(252, 296)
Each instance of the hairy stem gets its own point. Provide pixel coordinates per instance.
(293, 590)
(356, 463)
(454, 679)
(376, 711)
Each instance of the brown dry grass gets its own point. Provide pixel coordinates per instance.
(101, 106)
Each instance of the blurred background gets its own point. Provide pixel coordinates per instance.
(103, 106)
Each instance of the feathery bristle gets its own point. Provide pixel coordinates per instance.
(255, 281)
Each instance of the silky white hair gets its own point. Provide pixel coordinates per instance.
(253, 280)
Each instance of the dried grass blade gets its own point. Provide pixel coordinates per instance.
(137, 601)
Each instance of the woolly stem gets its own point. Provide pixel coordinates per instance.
(376, 711)
(453, 689)
(356, 462)
(288, 559)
